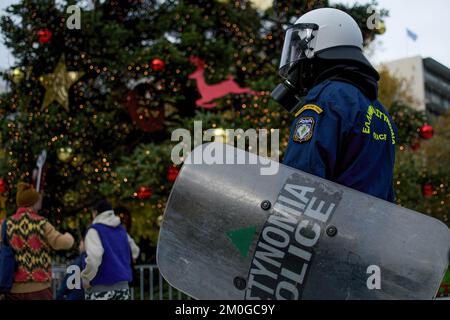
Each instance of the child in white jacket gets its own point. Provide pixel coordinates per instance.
(109, 251)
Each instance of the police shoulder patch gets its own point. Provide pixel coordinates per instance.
(312, 107)
(304, 129)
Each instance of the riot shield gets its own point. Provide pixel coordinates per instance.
(230, 232)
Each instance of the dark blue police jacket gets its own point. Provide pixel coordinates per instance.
(340, 135)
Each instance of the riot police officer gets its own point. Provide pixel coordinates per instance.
(341, 132)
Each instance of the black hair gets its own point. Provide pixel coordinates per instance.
(125, 216)
(102, 206)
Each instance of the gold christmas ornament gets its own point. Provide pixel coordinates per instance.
(65, 154)
(262, 4)
(70, 198)
(381, 27)
(72, 223)
(58, 83)
(17, 75)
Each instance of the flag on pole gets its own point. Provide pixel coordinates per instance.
(411, 34)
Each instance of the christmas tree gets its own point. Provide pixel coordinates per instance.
(103, 99)
(422, 167)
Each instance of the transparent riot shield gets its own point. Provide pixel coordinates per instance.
(230, 232)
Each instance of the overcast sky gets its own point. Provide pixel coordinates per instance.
(430, 20)
(6, 59)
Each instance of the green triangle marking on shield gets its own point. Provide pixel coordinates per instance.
(242, 239)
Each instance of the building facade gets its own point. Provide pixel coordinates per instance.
(428, 81)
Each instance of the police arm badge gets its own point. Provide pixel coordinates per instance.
(312, 107)
(304, 129)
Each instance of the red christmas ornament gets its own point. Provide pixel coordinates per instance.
(158, 64)
(2, 185)
(427, 190)
(172, 173)
(144, 192)
(444, 290)
(415, 144)
(426, 131)
(44, 35)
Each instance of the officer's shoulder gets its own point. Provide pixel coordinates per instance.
(342, 97)
(341, 90)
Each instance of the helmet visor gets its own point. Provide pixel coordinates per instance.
(298, 44)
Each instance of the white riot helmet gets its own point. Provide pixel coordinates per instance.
(325, 33)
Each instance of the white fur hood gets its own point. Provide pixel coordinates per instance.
(107, 218)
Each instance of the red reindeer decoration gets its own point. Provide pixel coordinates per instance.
(209, 92)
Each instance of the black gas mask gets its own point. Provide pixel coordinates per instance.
(297, 66)
(291, 92)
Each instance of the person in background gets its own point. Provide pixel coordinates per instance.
(32, 238)
(64, 293)
(108, 263)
